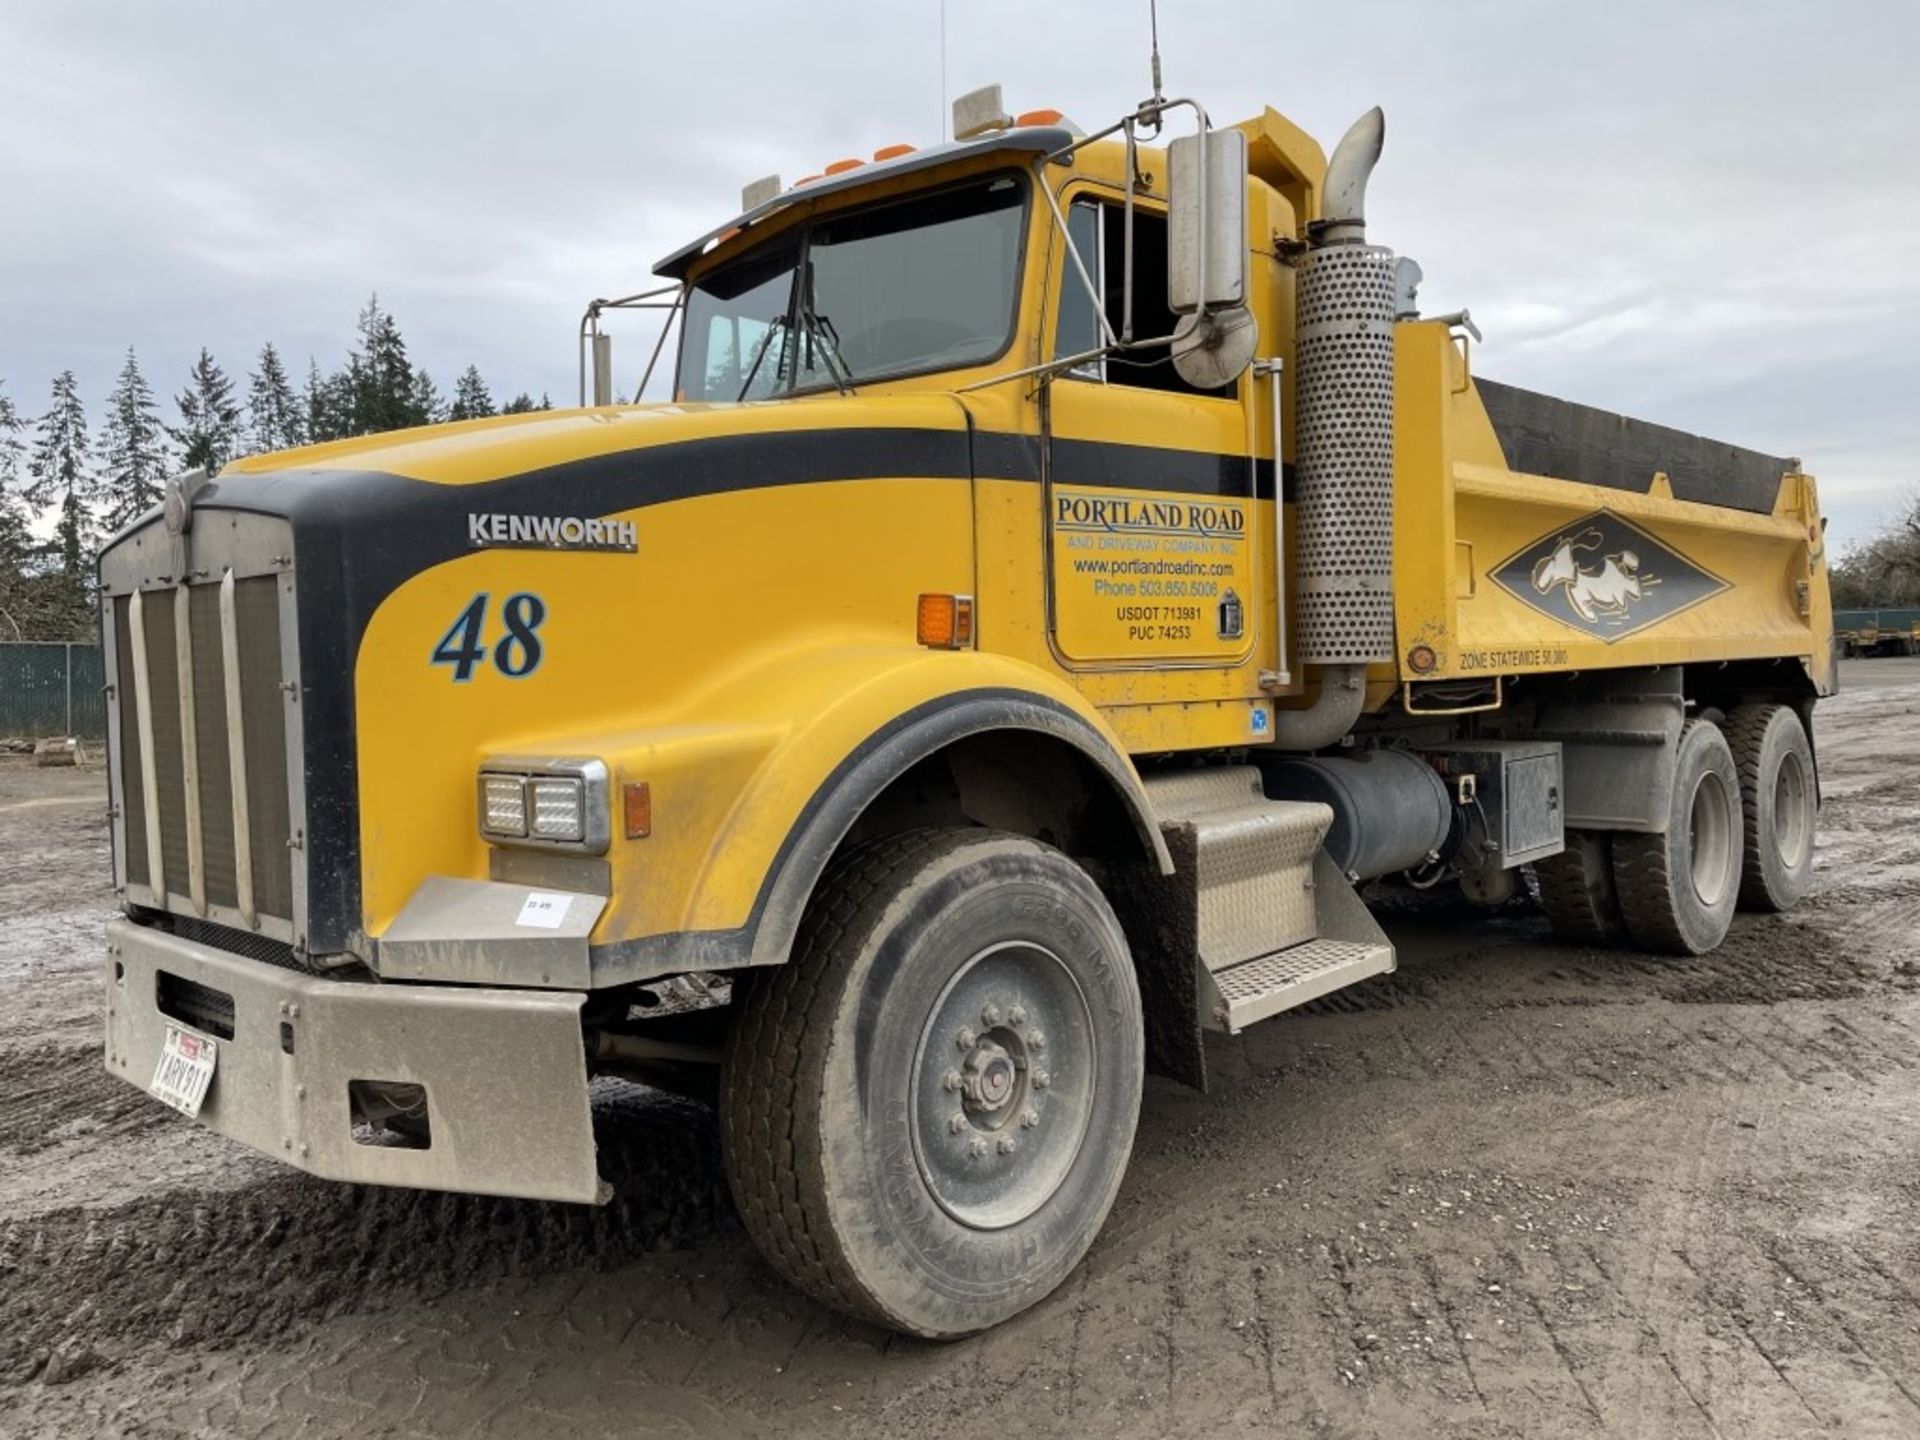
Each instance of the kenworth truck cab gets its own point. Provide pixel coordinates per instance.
(1069, 569)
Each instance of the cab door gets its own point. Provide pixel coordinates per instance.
(1151, 491)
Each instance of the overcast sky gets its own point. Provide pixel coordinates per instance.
(1706, 214)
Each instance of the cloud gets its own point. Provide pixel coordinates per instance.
(1698, 214)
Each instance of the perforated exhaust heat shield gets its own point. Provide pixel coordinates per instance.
(1344, 507)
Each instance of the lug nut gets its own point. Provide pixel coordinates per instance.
(965, 1038)
(976, 1147)
(990, 1015)
(1040, 1079)
(1036, 1040)
(1006, 1145)
(1017, 1016)
(950, 1080)
(1030, 1118)
(957, 1124)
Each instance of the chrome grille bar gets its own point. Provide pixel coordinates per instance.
(149, 776)
(189, 749)
(237, 753)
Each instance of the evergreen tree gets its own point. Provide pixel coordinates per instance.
(12, 447)
(470, 398)
(16, 540)
(524, 404)
(274, 421)
(62, 475)
(134, 449)
(425, 401)
(328, 405)
(381, 376)
(209, 429)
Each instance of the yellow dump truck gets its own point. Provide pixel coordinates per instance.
(1069, 569)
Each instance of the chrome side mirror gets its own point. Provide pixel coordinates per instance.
(1207, 221)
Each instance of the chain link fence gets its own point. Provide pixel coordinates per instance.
(48, 688)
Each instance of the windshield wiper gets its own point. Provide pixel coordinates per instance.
(819, 328)
(775, 326)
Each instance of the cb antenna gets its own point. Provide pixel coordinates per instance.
(1153, 24)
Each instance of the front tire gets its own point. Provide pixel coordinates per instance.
(1778, 798)
(1678, 890)
(926, 1113)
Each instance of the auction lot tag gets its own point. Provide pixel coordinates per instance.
(185, 1070)
(544, 910)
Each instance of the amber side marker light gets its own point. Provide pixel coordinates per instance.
(637, 799)
(944, 622)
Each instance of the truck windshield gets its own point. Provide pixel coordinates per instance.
(927, 283)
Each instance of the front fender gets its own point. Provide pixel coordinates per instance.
(852, 721)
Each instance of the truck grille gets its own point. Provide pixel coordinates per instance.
(256, 613)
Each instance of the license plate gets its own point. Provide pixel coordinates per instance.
(185, 1070)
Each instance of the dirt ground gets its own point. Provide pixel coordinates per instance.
(1515, 1189)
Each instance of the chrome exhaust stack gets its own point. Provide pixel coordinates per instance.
(1343, 370)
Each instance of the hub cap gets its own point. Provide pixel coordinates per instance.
(1711, 840)
(1002, 1085)
(1792, 812)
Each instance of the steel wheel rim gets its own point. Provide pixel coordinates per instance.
(1792, 812)
(1002, 1085)
(1710, 840)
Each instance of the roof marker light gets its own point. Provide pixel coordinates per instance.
(840, 167)
(893, 152)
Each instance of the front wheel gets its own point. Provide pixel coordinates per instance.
(925, 1114)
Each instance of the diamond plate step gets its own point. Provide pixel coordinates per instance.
(1245, 863)
(1255, 989)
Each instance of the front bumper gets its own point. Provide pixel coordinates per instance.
(504, 1071)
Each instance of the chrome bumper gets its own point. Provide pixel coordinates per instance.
(504, 1071)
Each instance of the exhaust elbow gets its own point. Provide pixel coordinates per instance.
(1343, 694)
(1343, 210)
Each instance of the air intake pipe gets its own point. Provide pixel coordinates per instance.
(1343, 377)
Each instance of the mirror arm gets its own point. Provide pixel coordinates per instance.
(589, 331)
(660, 344)
(1126, 242)
(1073, 252)
(1050, 368)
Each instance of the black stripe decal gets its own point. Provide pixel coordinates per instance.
(1107, 464)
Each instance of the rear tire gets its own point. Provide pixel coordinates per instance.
(1678, 890)
(1577, 891)
(926, 1113)
(1777, 796)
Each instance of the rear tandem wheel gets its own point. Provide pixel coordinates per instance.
(1678, 890)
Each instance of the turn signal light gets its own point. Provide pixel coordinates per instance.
(945, 622)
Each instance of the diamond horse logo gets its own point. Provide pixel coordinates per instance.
(1606, 576)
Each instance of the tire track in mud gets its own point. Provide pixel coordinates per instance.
(83, 1288)
(63, 1093)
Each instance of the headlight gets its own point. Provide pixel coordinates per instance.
(559, 809)
(503, 805)
(546, 803)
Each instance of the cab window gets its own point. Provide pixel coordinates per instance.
(1099, 234)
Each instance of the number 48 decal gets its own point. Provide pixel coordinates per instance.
(517, 652)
